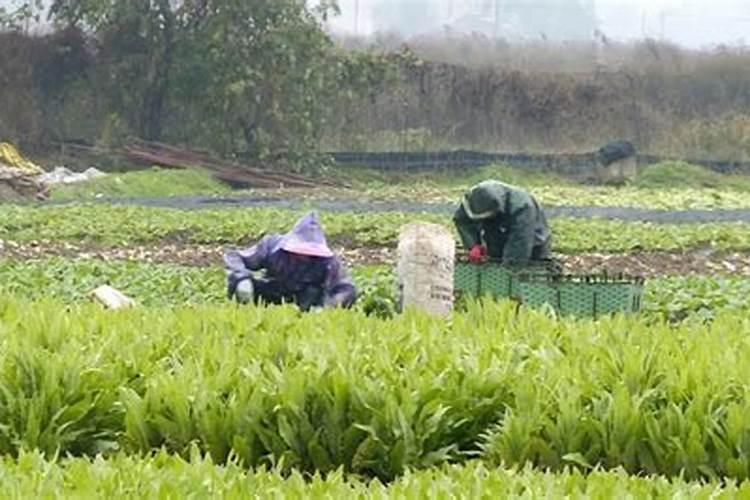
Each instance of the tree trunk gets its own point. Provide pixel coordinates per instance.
(157, 79)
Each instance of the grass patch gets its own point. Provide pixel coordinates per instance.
(510, 175)
(152, 183)
(455, 177)
(666, 174)
(663, 186)
(679, 174)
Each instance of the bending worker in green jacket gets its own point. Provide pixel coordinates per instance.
(502, 222)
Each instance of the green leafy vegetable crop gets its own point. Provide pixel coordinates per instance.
(672, 299)
(169, 477)
(122, 225)
(319, 392)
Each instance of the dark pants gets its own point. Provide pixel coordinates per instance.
(541, 252)
(270, 292)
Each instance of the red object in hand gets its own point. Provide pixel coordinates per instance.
(477, 253)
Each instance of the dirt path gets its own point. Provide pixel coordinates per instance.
(647, 264)
(184, 253)
(614, 213)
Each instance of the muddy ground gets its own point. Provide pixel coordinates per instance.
(647, 264)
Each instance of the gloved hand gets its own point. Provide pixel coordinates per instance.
(244, 291)
(477, 253)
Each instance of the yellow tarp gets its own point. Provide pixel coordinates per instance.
(10, 157)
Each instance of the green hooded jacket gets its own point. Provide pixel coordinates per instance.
(506, 219)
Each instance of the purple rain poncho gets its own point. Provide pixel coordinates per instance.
(286, 275)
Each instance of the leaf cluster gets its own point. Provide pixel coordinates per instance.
(373, 397)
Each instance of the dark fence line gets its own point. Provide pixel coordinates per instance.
(570, 164)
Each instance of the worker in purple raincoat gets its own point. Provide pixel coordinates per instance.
(297, 267)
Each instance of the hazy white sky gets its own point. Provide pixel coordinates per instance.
(693, 23)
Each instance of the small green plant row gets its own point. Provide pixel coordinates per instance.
(373, 397)
(72, 281)
(123, 225)
(154, 182)
(168, 477)
(672, 299)
(665, 186)
(561, 195)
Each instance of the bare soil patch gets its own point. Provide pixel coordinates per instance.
(647, 264)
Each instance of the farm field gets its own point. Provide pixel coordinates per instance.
(660, 187)
(187, 392)
(166, 476)
(670, 298)
(376, 397)
(114, 225)
(142, 141)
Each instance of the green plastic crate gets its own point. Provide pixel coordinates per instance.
(539, 285)
(491, 278)
(583, 296)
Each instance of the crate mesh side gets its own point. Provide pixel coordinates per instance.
(534, 287)
(581, 298)
(466, 279)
